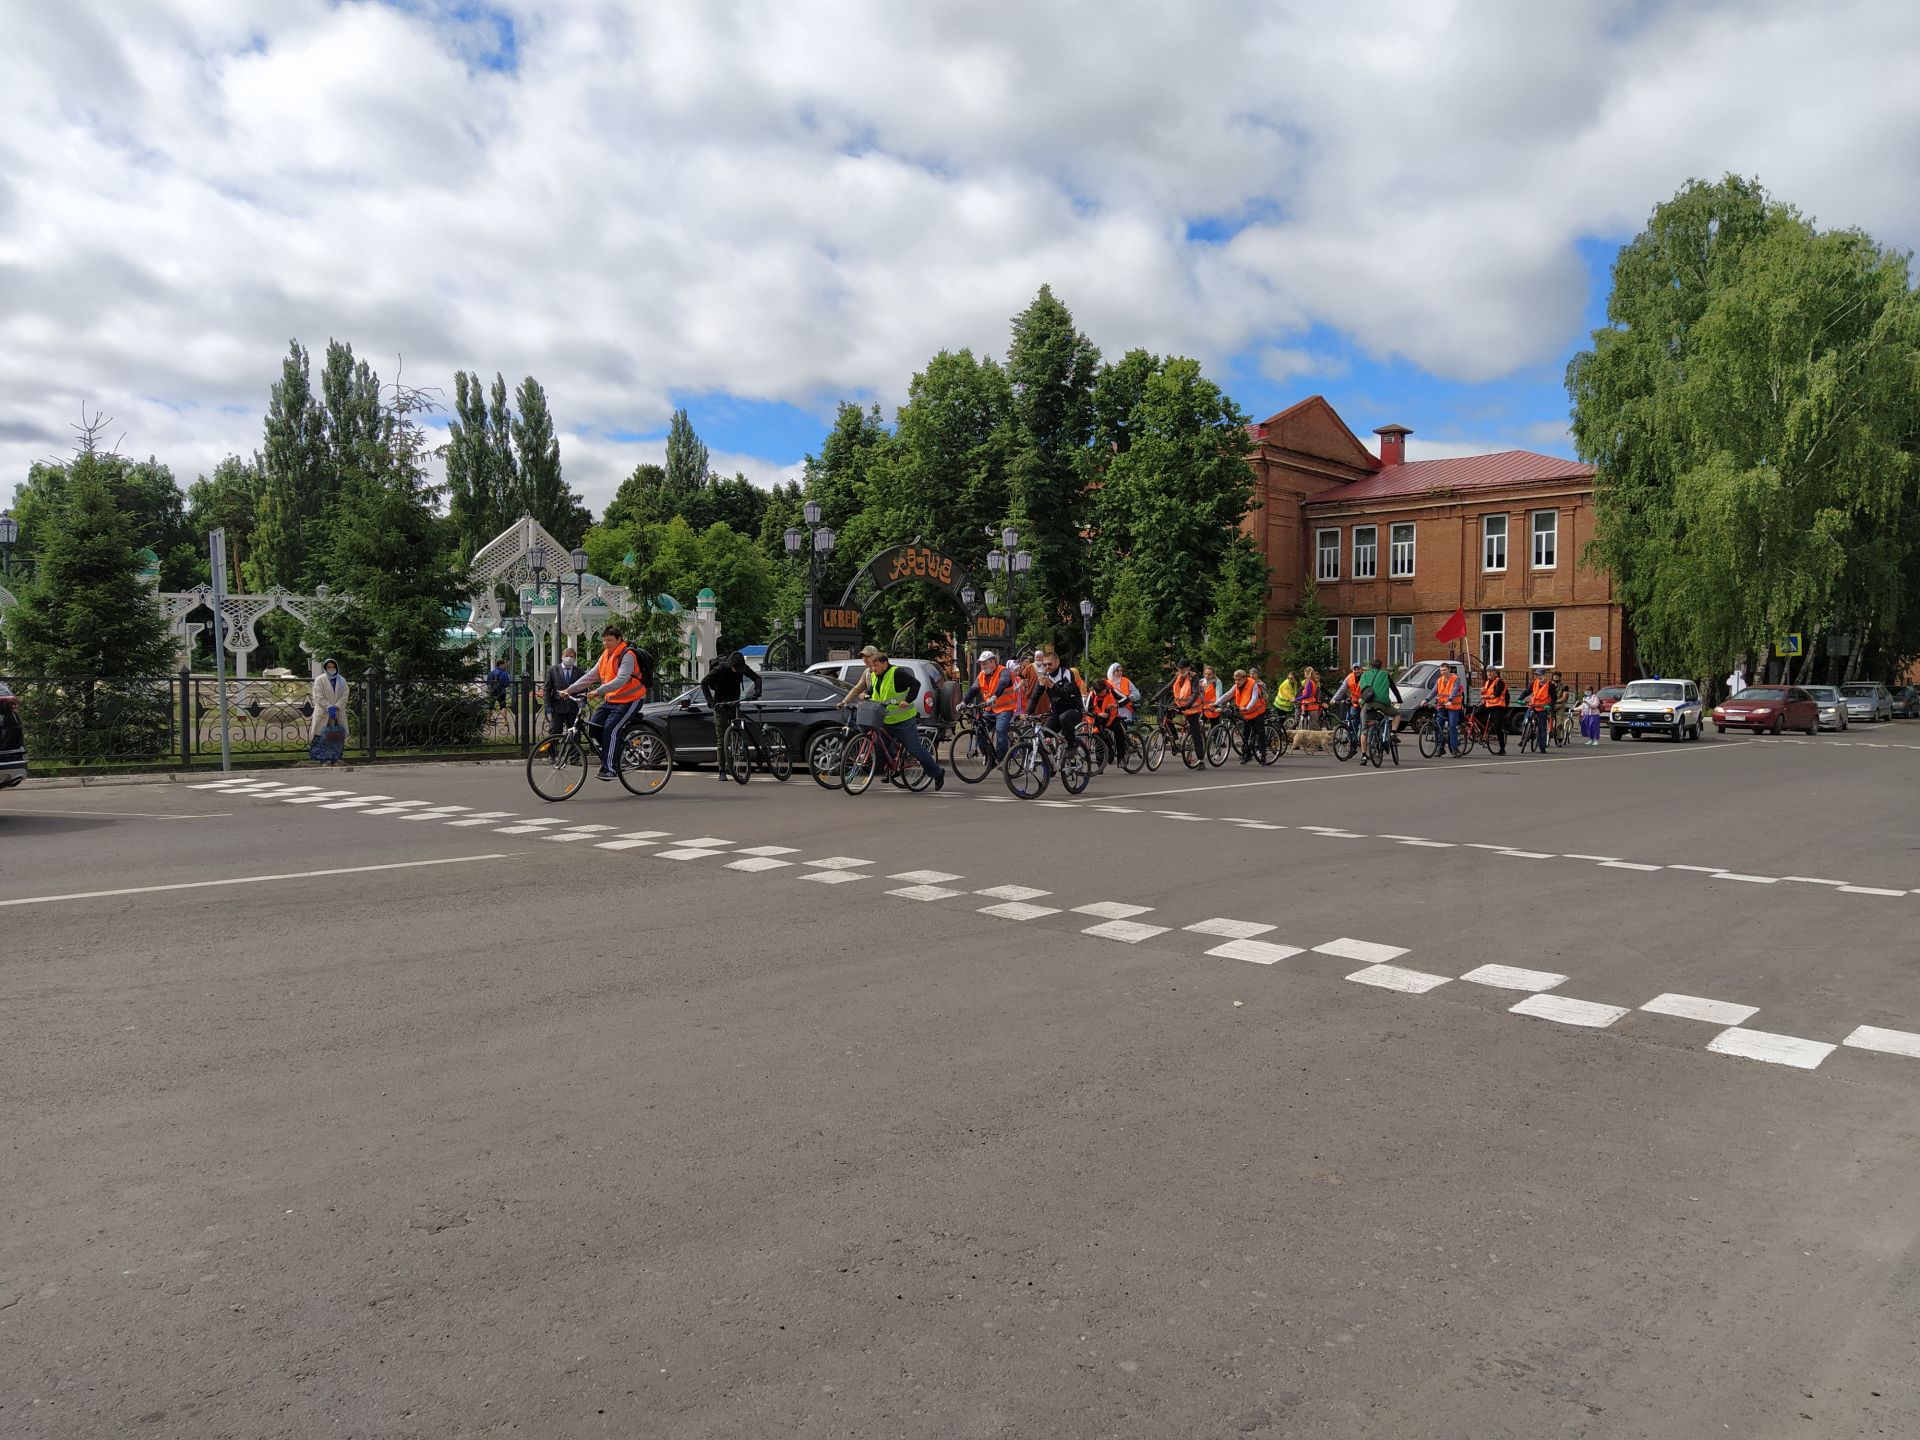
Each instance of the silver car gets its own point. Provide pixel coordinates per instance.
(1868, 700)
(1833, 706)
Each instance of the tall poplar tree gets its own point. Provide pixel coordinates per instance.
(544, 493)
(1051, 368)
(292, 483)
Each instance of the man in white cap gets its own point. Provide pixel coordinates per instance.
(996, 688)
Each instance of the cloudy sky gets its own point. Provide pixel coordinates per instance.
(755, 209)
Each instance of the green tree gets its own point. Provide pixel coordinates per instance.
(228, 499)
(1051, 370)
(293, 485)
(1128, 631)
(144, 490)
(1239, 605)
(1751, 410)
(483, 477)
(638, 500)
(544, 494)
(686, 467)
(1307, 643)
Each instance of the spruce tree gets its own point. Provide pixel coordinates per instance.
(1307, 642)
(1239, 605)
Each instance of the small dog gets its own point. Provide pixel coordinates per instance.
(1312, 740)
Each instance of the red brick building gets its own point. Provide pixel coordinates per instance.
(1397, 545)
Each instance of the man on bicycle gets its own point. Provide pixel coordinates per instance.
(1250, 699)
(1540, 707)
(1493, 707)
(621, 689)
(721, 685)
(1190, 700)
(1125, 693)
(1449, 698)
(1381, 696)
(996, 689)
(1066, 707)
(888, 684)
(1352, 694)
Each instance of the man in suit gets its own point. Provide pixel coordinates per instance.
(560, 709)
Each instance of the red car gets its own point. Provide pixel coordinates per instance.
(1769, 708)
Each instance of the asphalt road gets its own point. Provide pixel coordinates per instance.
(326, 1120)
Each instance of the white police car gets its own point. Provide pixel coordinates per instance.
(1658, 707)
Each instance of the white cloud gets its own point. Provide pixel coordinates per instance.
(799, 203)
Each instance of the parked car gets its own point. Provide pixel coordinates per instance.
(1660, 707)
(1906, 702)
(1868, 700)
(1768, 709)
(799, 706)
(13, 740)
(1417, 684)
(1833, 706)
(1609, 696)
(934, 700)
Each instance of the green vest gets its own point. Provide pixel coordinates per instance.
(885, 690)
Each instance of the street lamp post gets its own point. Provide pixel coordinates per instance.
(579, 558)
(1086, 630)
(816, 542)
(1009, 560)
(9, 537)
(967, 596)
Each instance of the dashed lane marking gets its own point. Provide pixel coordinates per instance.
(1748, 879)
(363, 800)
(1568, 1011)
(839, 862)
(1232, 929)
(1393, 977)
(1128, 932)
(1430, 844)
(623, 844)
(708, 842)
(1699, 869)
(1259, 952)
(1366, 951)
(686, 852)
(1809, 880)
(1012, 892)
(312, 799)
(1509, 977)
(926, 877)
(1111, 910)
(483, 817)
(1698, 1007)
(1627, 865)
(924, 892)
(1116, 809)
(758, 862)
(1597, 859)
(750, 850)
(1773, 1049)
(1018, 910)
(832, 877)
(1887, 1042)
(1524, 854)
(1868, 890)
(247, 880)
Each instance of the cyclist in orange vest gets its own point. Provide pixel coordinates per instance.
(1250, 699)
(1209, 693)
(1124, 693)
(1493, 706)
(997, 689)
(1310, 695)
(1352, 694)
(1540, 706)
(621, 688)
(1449, 698)
(1189, 699)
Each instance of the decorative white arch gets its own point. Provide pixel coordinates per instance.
(239, 616)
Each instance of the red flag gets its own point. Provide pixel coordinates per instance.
(1454, 629)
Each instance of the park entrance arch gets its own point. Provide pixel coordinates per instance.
(842, 626)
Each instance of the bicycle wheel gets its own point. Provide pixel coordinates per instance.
(912, 774)
(858, 762)
(734, 758)
(1393, 747)
(1342, 744)
(1193, 753)
(779, 761)
(1076, 768)
(1432, 742)
(557, 767)
(968, 756)
(1154, 749)
(824, 754)
(645, 762)
(1279, 741)
(1026, 771)
(1219, 743)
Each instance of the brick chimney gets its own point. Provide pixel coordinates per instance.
(1393, 444)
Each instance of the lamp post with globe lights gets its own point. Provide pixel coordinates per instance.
(9, 537)
(1086, 630)
(1009, 560)
(816, 543)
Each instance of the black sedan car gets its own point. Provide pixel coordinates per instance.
(799, 706)
(13, 740)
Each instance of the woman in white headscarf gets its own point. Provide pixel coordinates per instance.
(329, 713)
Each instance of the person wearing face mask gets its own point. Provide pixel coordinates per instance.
(327, 732)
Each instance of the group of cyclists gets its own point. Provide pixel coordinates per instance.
(1039, 697)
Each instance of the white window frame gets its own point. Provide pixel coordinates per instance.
(1369, 569)
(1493, 656)
(1326, 556)
(1552, 535)
(1538, 653)
(1397, 567)
(1487, 538)
(1330, 632)
(1399, 652)
(1355, 634)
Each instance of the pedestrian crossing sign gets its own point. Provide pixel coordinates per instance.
(1788, 646)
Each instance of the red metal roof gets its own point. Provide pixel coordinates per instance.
(1469, 472)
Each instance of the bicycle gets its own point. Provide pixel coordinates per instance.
(1433, 742)
(1382, 740)
(1562, 728)
(557, 764)
(1035, 754)
(1530, 732)
(1346, 736)
(1175, 735)
(743, 740)
(873, 752)
(970, 753)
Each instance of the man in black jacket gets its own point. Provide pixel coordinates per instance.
(561, 710)
(721, 686)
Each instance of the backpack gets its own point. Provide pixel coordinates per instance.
(643, 667)
(1379, 688)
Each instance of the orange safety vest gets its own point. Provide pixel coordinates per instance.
(1244, 701)
(1540, 696)
(1001, 690)
(1446, 691)
(1310, 696)
(1186, 695)
(609, 666)
(1355, 694)
(1491, 695)
(1210, 698)
(1122, 689)
(1102, 704)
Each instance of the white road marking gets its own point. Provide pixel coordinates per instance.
(442, 812)
(1809, 880)
(1012, 892)
(563, 837)
(297, 789)
(1180, 815)
(246, 880)
(1701, 869)
(686, 852)
(1525, 854)
(1056, 804)
(1887, 1042)
(831, 877)
(1773, 1049)
(527, 827)
(351, 804)
(708, 842)
(1695, 1007)
(394, 807)
(311, 799)
(1508, 977)
(1111, 910)
(1430, 844)
(1410, 839)
(1749, 879)
(1367, 952)
(1392, 977)
(1868, 890)
(216, 784)
(1568, 1011)
(924, 892)
(484, 817)
(621, 844)
(757, 862)
(1256, 825)
(1600, 859)
(1482, 845)
(1128, 932)
(835, 862)
(1018, 910)
(750, 850)
(926, 877)
(1259, 952)
(990, 799)
(1626, 865)
(1117, 809)
(1318, 827)
(1232, 929)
